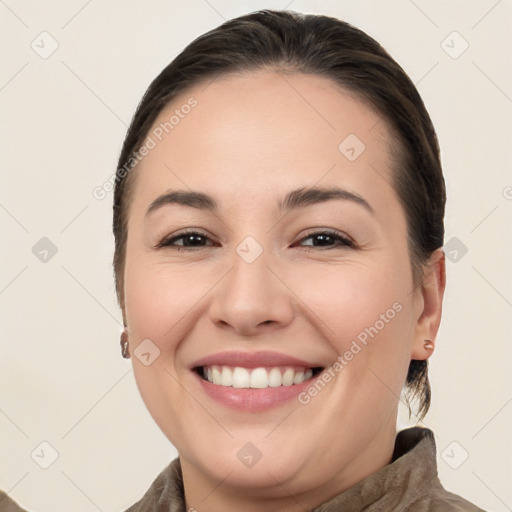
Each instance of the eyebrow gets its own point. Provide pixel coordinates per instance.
(298, 198)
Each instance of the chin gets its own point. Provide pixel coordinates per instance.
(263, 474)
(250, 464)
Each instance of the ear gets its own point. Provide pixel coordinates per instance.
(430, 304)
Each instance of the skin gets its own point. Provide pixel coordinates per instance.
(249, 141)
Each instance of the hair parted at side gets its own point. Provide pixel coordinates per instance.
(324, 46)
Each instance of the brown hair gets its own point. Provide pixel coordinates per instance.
(328, 47)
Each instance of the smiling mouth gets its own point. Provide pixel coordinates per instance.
(239, 377)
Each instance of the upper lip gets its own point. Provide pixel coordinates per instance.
(252, 360)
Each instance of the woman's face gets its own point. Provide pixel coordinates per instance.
(264, 296)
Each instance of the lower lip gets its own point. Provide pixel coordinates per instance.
(253, 400)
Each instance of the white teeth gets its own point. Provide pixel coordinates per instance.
(274, 378)
(215, 375)
(241, 378)
(226, 377)
(299, 378)
(257, 378)
(288, 377)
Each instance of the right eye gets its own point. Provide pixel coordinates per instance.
(191, 240)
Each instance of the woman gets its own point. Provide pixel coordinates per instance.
(278, 219)
(279, 265)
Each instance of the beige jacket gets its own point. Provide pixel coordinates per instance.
(408, 484)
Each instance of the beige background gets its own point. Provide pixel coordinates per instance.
(62, 379)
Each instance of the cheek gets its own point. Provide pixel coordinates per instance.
(355, 302)
(365, 312)
(159, 302)
(161, 306)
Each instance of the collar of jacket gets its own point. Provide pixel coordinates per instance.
(409, 483)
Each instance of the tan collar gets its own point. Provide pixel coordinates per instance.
(411, 474)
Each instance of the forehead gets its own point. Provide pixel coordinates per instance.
(251, 135)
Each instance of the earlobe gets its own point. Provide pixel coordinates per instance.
(429, 319)
(426, 351)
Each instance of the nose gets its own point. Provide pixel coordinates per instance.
(252, 298)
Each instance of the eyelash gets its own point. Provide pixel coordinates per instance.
(344, 241)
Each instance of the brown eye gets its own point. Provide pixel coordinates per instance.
(188, 241)
(327, 239)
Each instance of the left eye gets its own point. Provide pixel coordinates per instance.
(193, 239)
